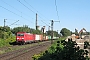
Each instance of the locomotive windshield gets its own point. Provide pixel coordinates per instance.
(20, 34)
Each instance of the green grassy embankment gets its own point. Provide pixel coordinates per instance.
(7, 45)
(6, 42)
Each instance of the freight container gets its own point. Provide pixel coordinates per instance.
(37, 37)
(41, 37)
(46, 37)
(49, 37)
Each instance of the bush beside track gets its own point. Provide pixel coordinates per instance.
(50, 50)
(63, 50)
(7, 42)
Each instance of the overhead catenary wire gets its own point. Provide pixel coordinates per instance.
(26, 6)
(30, 10)
(11, 6)
(14, 22)
(14, 13)
(34, 8)
(21, 12)
(30, 5)
(15, 8)
(38, 12)
(57, 12)
(9, 10)
(43, 21)
(56, 9)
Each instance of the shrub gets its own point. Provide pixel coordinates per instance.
(69, 51)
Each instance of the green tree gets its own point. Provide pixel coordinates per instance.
(5, 32)
(7, 29)
(25, 28)
(35, 31)
(88, 33)
(54, 32)
(65, 32)
(21, 29)
(49, 32)
(70, 51)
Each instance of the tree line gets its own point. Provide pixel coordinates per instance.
(6, 31)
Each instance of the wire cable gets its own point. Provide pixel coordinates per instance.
(9, 10)
(14, 22)
(34, 8)
(25, 6)
(56, 10)
(13, 13)
(14, 8)
(30, 9)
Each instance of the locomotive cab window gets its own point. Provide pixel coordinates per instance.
(20, 34)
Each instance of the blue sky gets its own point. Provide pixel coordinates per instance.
(72, 13)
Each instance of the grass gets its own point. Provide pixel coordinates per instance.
(2, 51)
(6, 43)
(13, 48)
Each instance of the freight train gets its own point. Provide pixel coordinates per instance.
(23, 37)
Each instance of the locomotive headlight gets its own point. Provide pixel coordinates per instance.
(22, 38)
(17, 38)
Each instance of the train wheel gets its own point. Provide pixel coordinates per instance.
(23, 43)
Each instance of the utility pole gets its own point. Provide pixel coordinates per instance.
(4, 22)
(52, 31)
(4, 27)
(48, 28)
(36, 21)
(52, 22)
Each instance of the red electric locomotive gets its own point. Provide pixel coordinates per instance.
(23, 37)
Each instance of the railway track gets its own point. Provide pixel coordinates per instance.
(26, 53)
